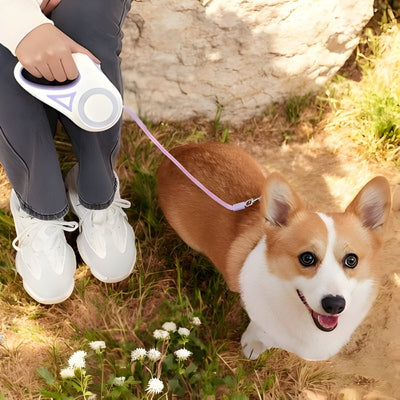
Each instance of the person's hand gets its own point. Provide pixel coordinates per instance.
(48, 6)
(47, 52)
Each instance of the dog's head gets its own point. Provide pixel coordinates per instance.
(331, 260)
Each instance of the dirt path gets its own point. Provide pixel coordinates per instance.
(328, 173)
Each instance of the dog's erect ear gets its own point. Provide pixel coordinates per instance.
(372, 203)
(281, 201)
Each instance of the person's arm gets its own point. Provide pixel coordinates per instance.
(17, 19)
(42, 49)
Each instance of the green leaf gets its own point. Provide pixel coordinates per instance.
(230, 381)
(176, 386)
(46, 375)
(76, 386)
(195, 378)
(198, 343)
(169, 362)
(190, 369)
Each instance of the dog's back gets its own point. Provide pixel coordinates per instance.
(202, 223)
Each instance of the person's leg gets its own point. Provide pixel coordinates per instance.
(27, 150)
(38, 201)
(96, 25)
(107, 241)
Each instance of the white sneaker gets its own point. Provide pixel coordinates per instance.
(44, 259)
(106, 241)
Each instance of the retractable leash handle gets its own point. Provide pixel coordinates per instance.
(91, 101)
(94, 104)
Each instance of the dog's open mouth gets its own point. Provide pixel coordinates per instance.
(326, 323)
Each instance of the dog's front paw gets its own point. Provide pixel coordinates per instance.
(252, 346)
(253, 349)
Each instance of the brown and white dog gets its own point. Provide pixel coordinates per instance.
(306, 279)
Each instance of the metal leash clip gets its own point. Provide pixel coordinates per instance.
(251, 201)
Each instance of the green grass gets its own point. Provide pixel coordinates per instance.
(370, 109)
(295, 107)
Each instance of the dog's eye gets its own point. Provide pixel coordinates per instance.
(350, 260)
(307, 259)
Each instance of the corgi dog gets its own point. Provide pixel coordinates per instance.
(306, 279)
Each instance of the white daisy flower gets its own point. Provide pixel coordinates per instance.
(66, 373)
(119, 380)
(182, 354)
(77, 360)
(153, 355)
(161, 334)
(138, 354)
(97, 345)
(169, 326)
(92, 397)
(184, 331)
(155, 386)
(196, 321)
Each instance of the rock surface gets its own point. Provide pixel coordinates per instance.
(186, 58)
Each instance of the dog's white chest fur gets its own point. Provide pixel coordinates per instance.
(280, 319)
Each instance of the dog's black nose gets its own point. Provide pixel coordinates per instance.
(333, 304)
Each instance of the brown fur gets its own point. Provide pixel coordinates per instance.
(285, 245)
(224, 236)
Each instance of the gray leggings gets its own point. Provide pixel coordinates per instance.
(27, 126)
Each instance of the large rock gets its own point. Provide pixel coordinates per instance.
(185, 58)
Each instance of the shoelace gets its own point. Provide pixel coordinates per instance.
(37, 226)
(109, 214)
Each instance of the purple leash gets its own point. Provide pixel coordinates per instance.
(235, 207)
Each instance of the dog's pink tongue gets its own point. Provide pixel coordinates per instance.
(328, 321)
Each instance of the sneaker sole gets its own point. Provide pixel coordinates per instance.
(42, 300)
(103, 278)
(115, 280)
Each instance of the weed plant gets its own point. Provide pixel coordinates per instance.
(138, 375)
